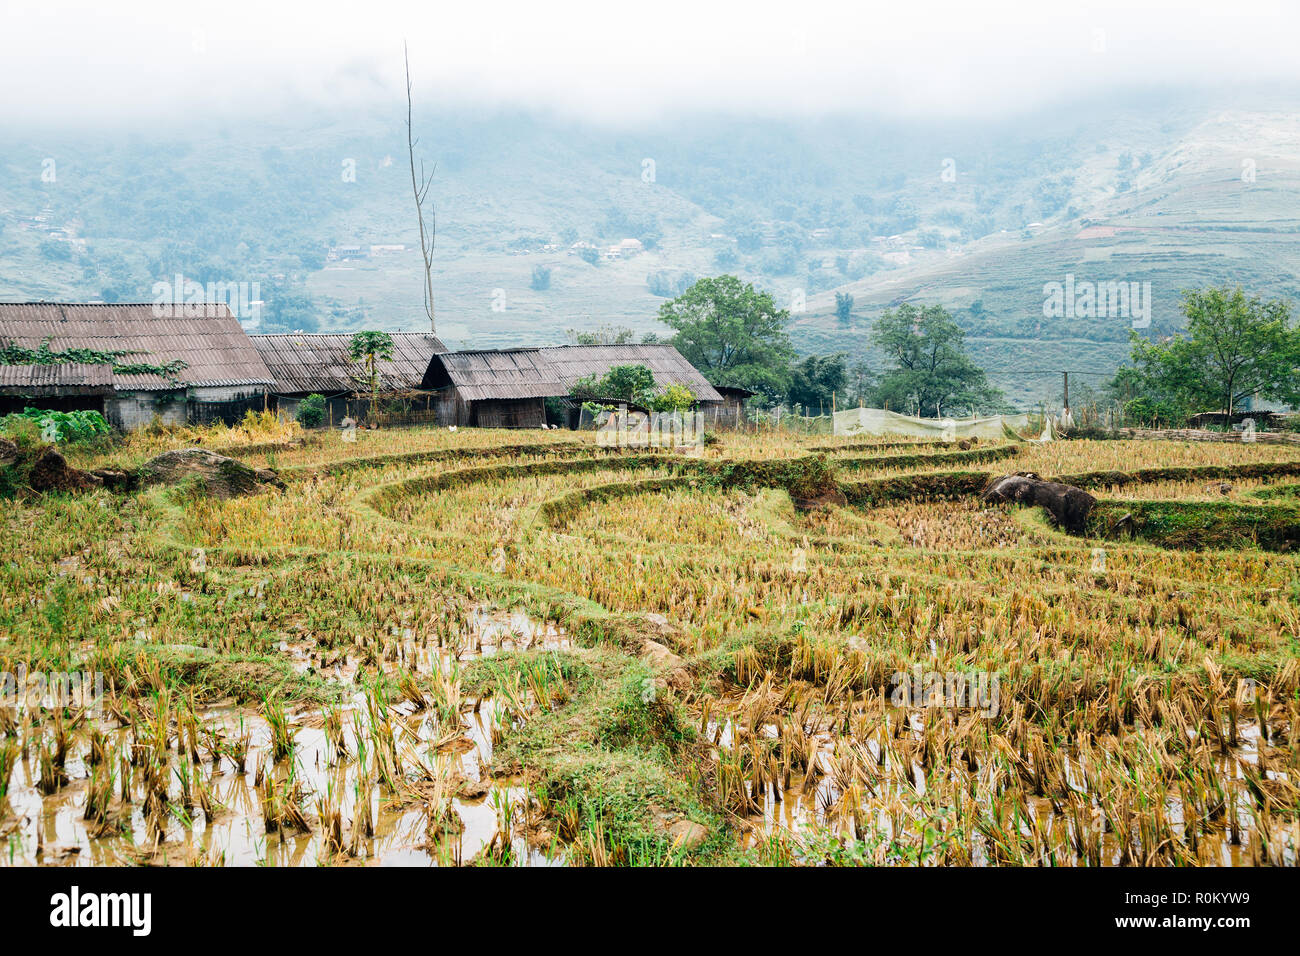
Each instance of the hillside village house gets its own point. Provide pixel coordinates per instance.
(179, 369)
(133, 366)
(64, 387)
(508, 388)
(498, 388)
(573, 363)
(302, 364)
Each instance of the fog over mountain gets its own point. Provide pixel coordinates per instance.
(970, 156)
(143, 60)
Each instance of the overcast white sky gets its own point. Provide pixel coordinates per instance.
(147, 59)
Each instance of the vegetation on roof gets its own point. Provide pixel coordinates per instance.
(13, 354)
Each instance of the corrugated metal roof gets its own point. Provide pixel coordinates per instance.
(497, 374)
(214, 346)
(573, 362)
(53, 376)
(319, 362)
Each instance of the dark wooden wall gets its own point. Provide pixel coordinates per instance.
(509, 413)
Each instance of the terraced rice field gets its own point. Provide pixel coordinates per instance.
(520, 648)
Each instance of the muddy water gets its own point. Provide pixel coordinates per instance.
(795, 810)
(488, 812)
(489, 634)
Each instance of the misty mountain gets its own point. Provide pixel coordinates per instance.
(546, 224)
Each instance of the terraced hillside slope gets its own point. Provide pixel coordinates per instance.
(480, 647)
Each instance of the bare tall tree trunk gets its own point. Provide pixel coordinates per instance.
(374, 386)
(420, 187)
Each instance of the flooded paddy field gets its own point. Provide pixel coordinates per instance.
(371, 779)
(476, 648)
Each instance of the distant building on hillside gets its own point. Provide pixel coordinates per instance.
(346, 253)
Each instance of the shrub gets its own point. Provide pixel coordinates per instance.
(57, 426)
(311, 411)
(1153, 413)
(674, 398)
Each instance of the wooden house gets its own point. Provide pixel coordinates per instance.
(129, 362)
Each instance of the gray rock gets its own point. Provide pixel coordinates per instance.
(220, 476)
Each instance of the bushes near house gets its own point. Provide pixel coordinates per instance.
(674, 398)
(57, 426)
(311, 411)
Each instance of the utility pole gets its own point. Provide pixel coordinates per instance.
(1067, 420)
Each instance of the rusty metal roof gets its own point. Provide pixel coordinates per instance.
(63, 379)
(319, 362)
(573, 362)
(66, 373)
(214, 346)
(495, 374)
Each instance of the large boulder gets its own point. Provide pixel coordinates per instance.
(51, 472)
(831, 497)
(1069, 506)
(115, 479)
(219, 476)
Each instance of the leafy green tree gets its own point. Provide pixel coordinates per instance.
(861, 386)
(312, 258)
(604, 335)
(928, 365)
(290, 311)
(818, 380)
(1236, 346)
(541, 278)
(904, 216)
(844, 304)
(119, 290)
(749, 240)
(1138, 395)
(58, 426)
(667, 282)
(734, 334)
(674, 398)
(782, 261)
(628, 383)
(55, 251)
(311, 410)
(368, 347)
(726, 259)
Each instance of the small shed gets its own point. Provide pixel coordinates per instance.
(498, 388)
(731, 412)
(303, 364)
(1264, 419)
